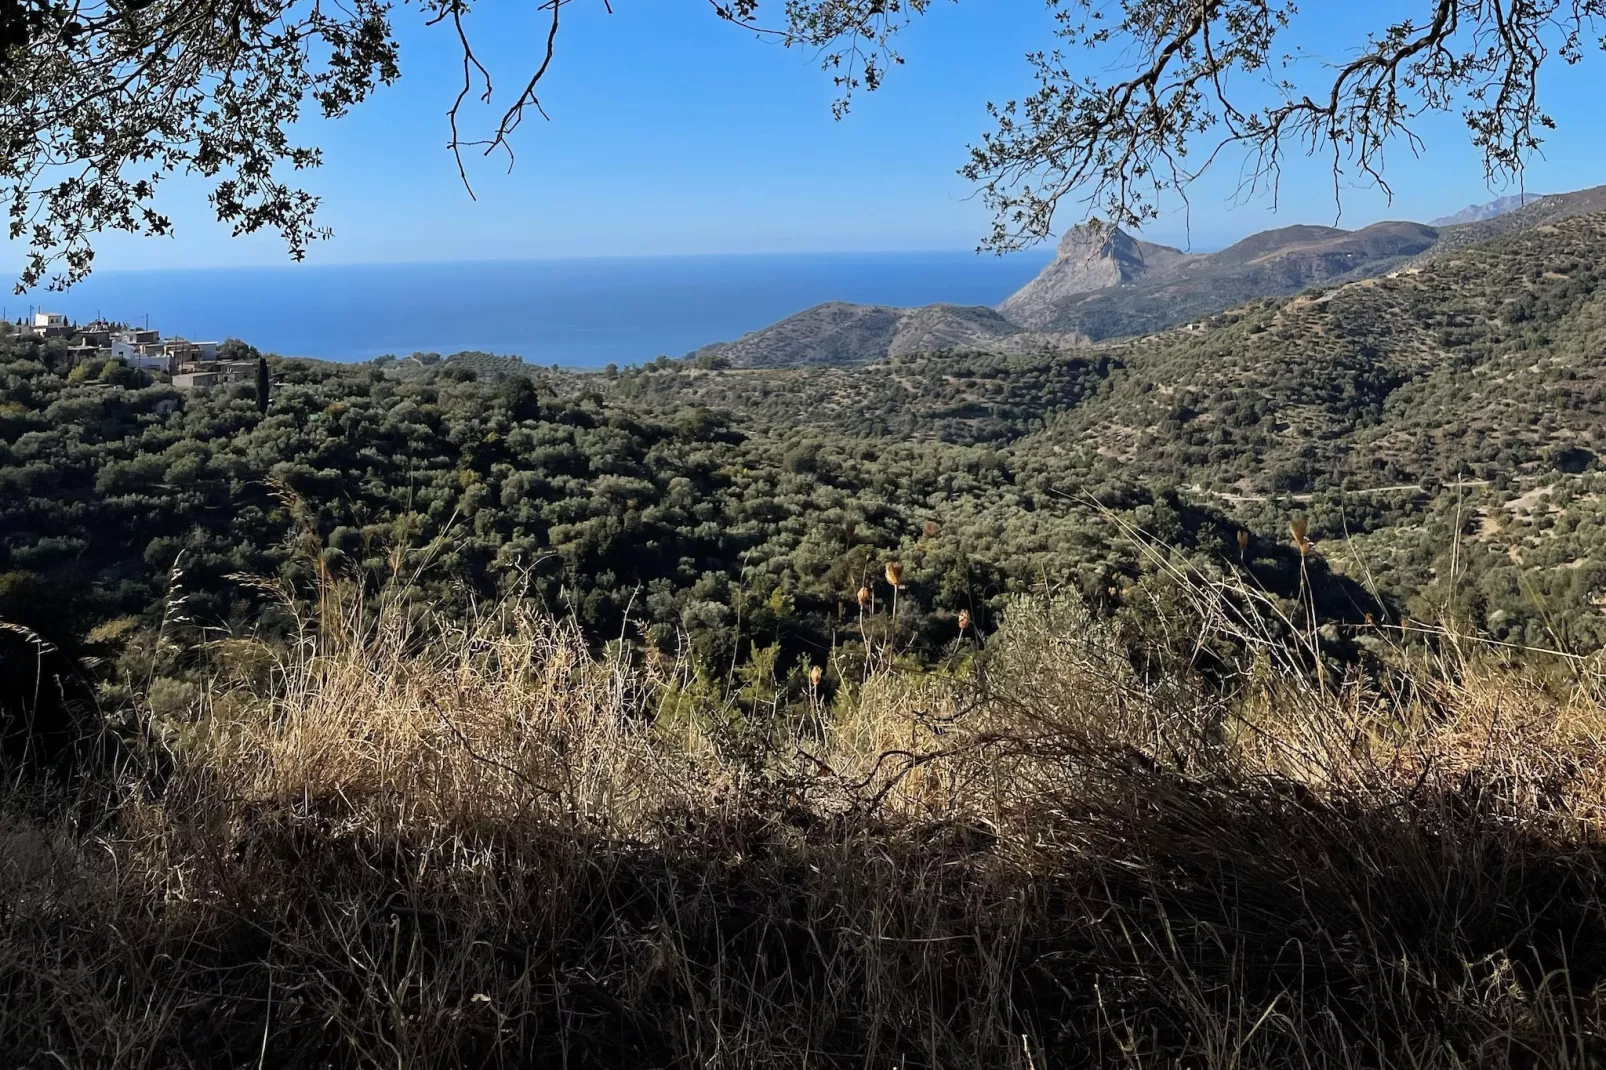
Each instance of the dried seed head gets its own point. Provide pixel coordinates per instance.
(895, 573)
(1299, 527)
(814, 677)
(1243, 542)
(964, 619)
(864, 596)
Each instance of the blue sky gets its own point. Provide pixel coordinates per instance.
(674, 133)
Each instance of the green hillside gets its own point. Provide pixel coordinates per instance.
(1483, 363)
(1471, 365)
(1375, 406)
(1454, 409)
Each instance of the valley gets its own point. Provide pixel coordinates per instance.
(739, 508)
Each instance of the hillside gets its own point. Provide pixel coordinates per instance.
(1485, 359)
(1478, 213)
(841, 333)
(1548, 209)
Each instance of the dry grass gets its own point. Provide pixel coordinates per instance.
(419, 845)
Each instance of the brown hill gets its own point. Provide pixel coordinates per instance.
(842, 333)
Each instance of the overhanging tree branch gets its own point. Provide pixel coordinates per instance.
(101, 100)
(1118, 145)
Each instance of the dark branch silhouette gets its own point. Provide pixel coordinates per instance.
(101, 100)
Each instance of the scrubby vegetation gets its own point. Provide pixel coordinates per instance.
(1424, 439)
(656, 520)
(1226, 698)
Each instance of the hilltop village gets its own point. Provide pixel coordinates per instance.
(190, 365)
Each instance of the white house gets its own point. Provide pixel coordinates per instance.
(151, 358)
(49, 324)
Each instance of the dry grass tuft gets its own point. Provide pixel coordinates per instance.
(408, 844)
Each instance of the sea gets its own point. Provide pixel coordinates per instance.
(576, 313)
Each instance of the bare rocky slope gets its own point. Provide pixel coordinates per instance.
(1090, 261)
(1107, 284)
(1478, 213)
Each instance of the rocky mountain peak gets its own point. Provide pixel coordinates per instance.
(1088, 243)
(1089, 259)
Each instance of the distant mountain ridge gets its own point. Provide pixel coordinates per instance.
(1105, 284)
(1478, 213)
(1186, 286)
(1550, 208)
